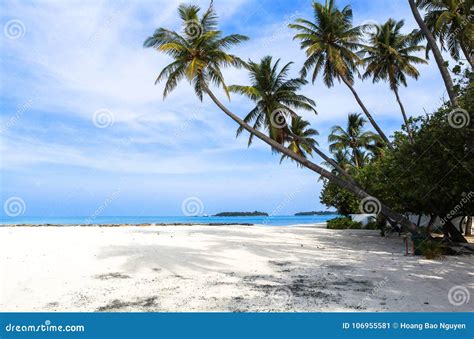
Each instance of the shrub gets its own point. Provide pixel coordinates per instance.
(432, 249)
(342, 223)
(373, 225)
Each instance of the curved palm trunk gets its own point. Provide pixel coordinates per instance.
(324, 157)
(366, 112)
(448, 82)
(466, 53)
(344, 184)
(410, 134)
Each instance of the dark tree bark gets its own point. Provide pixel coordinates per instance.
(419, 220)
(466, 53)
(405, 119)
(366, 112)
(469, 226)
(460, 224)
(452, 232)
(448, 81)
(330, 161)
(430, 223)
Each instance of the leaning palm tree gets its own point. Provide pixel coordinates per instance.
(275, 96)
(443, 69)
(331, 43)
(390, 57)
(451, 23)
(301, 138)
(198, 56)
(352, 138)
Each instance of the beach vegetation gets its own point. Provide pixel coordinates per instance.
(412, 173)
(343, 223)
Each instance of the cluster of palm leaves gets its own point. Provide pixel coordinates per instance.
(352, 145)
(199, 53)
(337, 51)
(452, 23)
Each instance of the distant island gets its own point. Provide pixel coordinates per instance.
(241, 214)
(299, 214)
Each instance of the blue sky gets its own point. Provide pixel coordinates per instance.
(72, 63)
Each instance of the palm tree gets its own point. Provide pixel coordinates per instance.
(342, 158)
(275, 96)
(450, 22)
(198, 56)
(353, 138)
(304, 143)
(448, 81)
(389, 57)
(331, 44)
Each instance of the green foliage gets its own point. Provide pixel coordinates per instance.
(434, 173)
(275, 96)
(451, 23)
(373, 225)
(353, 139)
(343, 201)
(343, 223)
(198, 54)
(390, 55)
(330, 42)
(432, 249)
(301, 138)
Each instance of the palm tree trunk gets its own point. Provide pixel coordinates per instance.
(366, 112)
(453, 233)
(448, 82)
(460, 224)
(466, 54)
(469, 226)
(356, 160)
(410, 134)
(324, 157)
(344, 184)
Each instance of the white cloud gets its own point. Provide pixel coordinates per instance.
(80, 56)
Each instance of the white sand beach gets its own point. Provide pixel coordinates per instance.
(221, 268)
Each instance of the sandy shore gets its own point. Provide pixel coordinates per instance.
(225, 268)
